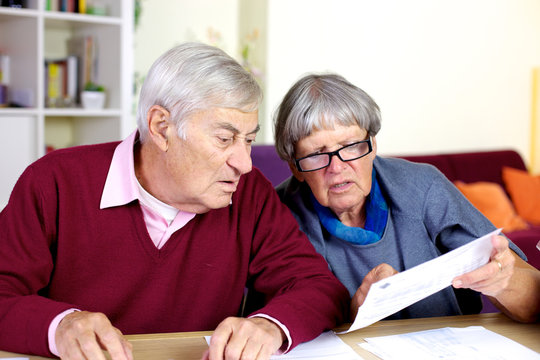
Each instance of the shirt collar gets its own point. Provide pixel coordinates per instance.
(121, 184)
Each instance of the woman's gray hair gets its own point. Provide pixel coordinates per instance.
(319, 102)
(192, 77)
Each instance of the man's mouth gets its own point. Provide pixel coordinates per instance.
(229, 185)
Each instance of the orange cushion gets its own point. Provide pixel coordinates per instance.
(491, 200)
(524, 189)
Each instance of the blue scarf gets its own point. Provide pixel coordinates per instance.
(376, 217)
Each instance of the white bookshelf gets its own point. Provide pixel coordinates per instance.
(31, 35)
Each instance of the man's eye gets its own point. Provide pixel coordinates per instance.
(225, 140)
(250, 141)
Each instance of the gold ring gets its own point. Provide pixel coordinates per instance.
(500, 265)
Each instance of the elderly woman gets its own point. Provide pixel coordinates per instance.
(371, 217)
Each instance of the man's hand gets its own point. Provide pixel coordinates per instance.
(494, 277)
(379, 272)
(239, 338)
(84, 335)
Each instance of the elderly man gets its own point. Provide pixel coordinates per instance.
(162, 232)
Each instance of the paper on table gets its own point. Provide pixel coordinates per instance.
(473, 342)
(396, 292)
(326, 346)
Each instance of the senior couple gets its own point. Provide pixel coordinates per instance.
(163, 231)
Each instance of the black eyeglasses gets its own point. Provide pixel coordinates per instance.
(349, 152)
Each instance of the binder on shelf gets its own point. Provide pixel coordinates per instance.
(61, 82)
(53, 71)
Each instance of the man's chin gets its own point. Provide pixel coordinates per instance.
(221, 201)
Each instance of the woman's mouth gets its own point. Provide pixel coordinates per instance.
(340, 186)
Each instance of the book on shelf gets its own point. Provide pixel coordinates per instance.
(4, 80)
(72, 89)
(81, 6)
(61, 82)
(18, 4)
(73, 6)
(84, 48)
(4, 69)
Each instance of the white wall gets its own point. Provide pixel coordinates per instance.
(448, 75)
(165, 23)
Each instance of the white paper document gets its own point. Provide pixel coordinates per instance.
(326, 346)
(470, 343)
(396, 292)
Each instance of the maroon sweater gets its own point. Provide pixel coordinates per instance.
(58, 250)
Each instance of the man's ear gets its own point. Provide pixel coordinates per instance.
(159, 126)
(297, 174)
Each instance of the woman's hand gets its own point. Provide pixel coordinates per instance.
(379, 272)
(494, 277)
(509, 282)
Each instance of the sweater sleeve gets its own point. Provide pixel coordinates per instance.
(27, 228)
(304, 295)
(451, 219)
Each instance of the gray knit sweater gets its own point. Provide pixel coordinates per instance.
(427, 217)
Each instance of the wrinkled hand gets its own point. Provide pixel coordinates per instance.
(84, 335)
(492, 278)
(239, 338)
(379, 272)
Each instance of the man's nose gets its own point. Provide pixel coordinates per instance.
(240, 158)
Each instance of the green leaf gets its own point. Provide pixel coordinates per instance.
(90, 86)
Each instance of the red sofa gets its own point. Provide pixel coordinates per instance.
(487, 166)
(468, 167)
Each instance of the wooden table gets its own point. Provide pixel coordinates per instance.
(191, 345)
(525, 334)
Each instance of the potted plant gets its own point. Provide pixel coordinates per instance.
(93, 96)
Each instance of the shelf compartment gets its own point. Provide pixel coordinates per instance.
(65, 131)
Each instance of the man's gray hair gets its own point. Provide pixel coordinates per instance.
(319, 102)
(192, 77)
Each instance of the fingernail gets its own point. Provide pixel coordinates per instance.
(458, 283)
